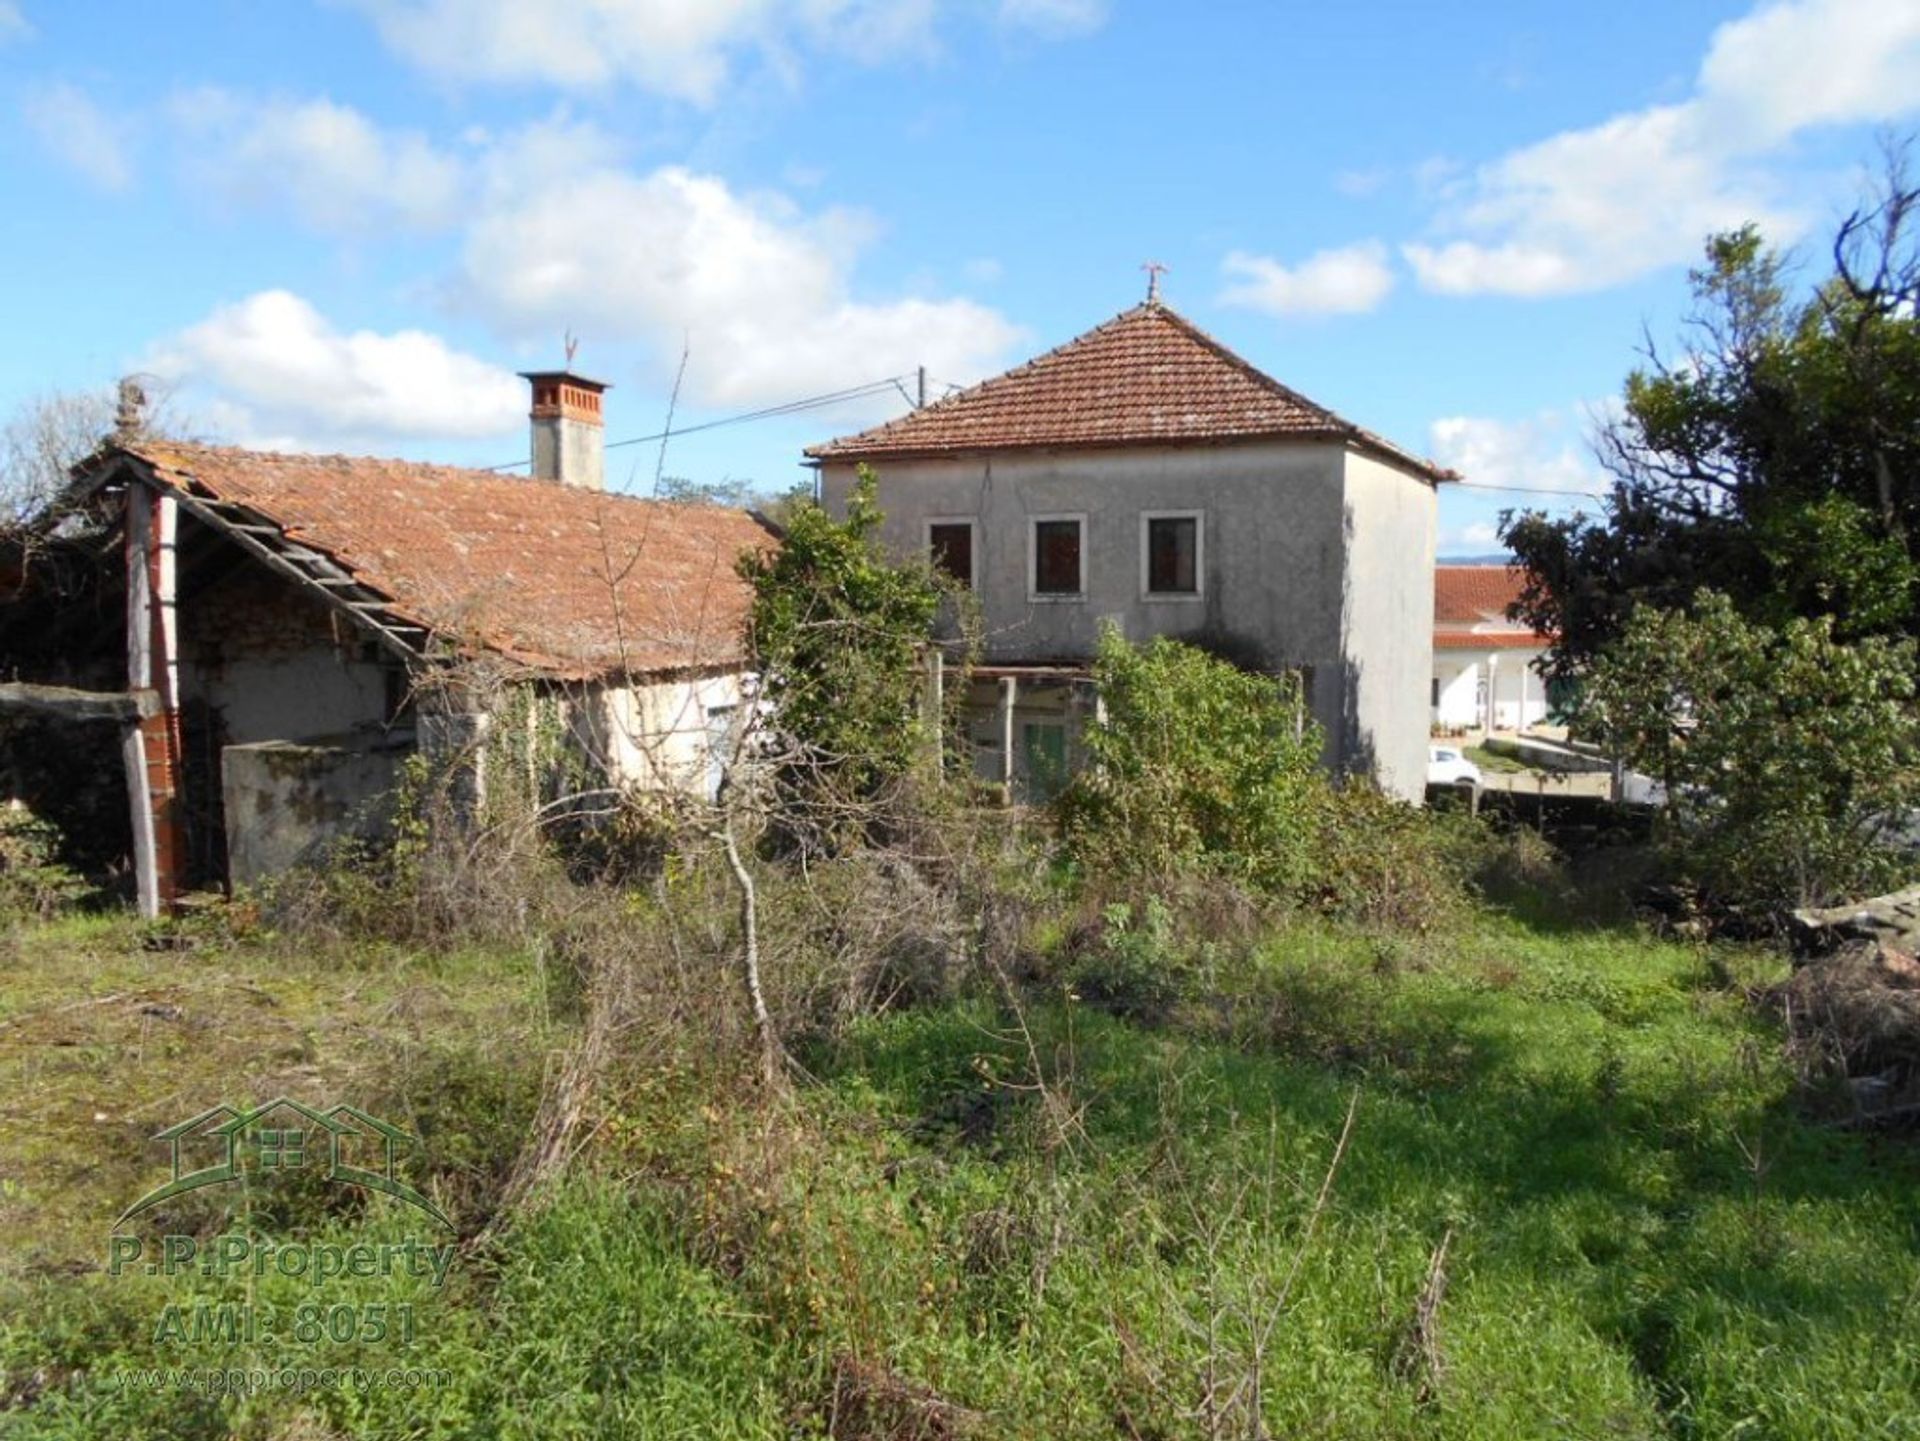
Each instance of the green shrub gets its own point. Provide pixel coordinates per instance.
(1790, 757)
(839, 633)
(1382, 862)
(1198, 766)
(33, 882)
(1201, 771)
(1130, 966)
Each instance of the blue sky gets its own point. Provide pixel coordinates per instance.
(343, 225)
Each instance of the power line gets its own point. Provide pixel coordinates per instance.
(1530, 489)
(791, 407)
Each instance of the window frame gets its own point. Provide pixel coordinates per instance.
(972, 523)
(1035, 595)
(1164, 597)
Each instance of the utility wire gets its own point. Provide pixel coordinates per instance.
(792, 407)
(1530, 489)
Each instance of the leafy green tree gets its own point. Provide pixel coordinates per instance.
(1775, 461)
(1198, 765)
(839, 633)
(1791, 758)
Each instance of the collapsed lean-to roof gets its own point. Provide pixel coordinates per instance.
(568, 582)
(1146, 377)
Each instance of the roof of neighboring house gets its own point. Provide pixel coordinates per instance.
(1488, 640)
(1146, 377)
(1470, 609)
(566, 581)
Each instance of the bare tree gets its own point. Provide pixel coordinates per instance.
(47, 436)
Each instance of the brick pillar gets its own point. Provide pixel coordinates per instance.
(160, 747)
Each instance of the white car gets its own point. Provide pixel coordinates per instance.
(1448, 766)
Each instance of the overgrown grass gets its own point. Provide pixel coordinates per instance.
(1066, 1216)
(1496, 762)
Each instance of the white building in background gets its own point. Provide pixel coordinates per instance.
(1486, 668)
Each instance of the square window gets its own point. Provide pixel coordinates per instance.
(950, 548)
(1057, 557)
(1173, 555)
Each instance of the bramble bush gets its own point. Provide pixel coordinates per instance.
(1198, 766)
(1203, 770)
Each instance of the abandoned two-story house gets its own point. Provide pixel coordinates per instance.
(1145, 475)
(272, 632)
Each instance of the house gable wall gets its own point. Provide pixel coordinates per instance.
(1389, 523)
(1271, 547)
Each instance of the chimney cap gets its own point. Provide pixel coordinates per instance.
(572, 377)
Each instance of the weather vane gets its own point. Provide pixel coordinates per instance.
(1154, 271)
(573, 344)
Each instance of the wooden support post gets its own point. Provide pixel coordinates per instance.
(1009, 692)
(935, 699)
(152, 749)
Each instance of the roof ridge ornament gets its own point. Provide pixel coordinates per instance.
(1154, 271)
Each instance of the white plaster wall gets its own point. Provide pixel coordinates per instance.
(1390, 522)
(1272, 545)
(284, 802)
(1459, 677)
(1519, 694)
(1460, 672)
(655, 737)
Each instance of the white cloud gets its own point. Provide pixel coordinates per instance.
(759, 292)
(1350, 279)
(1477, 537)
(82, 135)
(271, 370)
(870, 31)
(13, 25)
(684, 49)
(326, 163)
(1816, 62)
(1054, 18)
(1359, 184)
(674, 47)
(556, 234)
(1590, 208)
(1541, 453)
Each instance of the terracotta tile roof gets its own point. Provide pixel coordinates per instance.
(1146, 377)
(567, 581)
(1488, 640)
(1470, 608)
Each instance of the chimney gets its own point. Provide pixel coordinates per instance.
(129, 418)
(569, 435)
